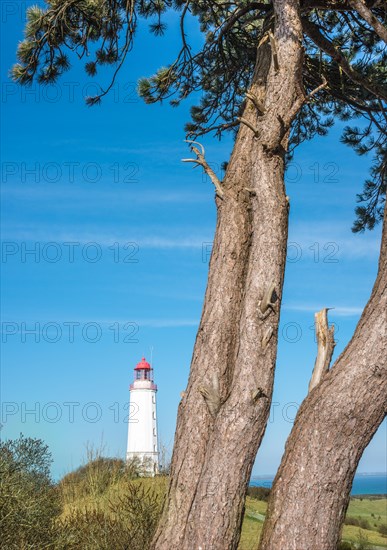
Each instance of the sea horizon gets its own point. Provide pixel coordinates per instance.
(364, 483)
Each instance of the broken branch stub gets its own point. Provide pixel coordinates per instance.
(201, 161)
(258, 394)
(211, 396)
(249, 125)
(258, 105)
(274, 52)
(325, 346)
(269, 299)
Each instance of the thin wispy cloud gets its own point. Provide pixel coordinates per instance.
(45, 234)
(332, 243)
(335, 239)
(69, 197)
(339, 311)
(22, 324)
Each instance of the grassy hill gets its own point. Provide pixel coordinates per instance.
(84, 491)
(107, 504)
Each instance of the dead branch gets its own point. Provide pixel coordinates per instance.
(325, 346)
(249, 125)
(264, 39)
(258, 105)
(274, 52)
(324, 84)
(200, 160)
(299, 103)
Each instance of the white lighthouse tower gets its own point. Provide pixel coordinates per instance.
(142, 426)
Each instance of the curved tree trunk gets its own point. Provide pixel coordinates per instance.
(334, 425)
(224, 411)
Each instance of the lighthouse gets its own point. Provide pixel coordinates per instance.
(142, 426)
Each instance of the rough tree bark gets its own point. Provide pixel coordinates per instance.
(221, 421)
(334, 425)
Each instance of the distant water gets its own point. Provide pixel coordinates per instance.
(363, 484)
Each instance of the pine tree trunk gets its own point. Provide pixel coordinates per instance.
(334, 425)
(224, 411)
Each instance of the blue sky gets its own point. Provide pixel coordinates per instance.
(120, 232)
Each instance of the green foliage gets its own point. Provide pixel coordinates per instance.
(96, 476)
(383, 529)
(343, 545)
(93, 530)
(105, 509)
(129, 522)
(93, 478)
(374, 192)
(359, 522)
(363, 542)
(339, 47)
(259, 493)
(29, 502)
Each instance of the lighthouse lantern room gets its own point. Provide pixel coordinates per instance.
(142, 426)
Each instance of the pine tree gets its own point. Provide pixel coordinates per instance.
(275, 73)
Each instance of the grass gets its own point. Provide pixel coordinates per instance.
(108, 515)
(103, 502)
(110, 496)
(252, 523)
(374, 510)
(351, 534)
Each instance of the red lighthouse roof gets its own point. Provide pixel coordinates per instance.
(143, 364)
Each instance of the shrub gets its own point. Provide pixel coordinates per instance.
(260, 493)
(364, 523)
(96, 476)
(91, 479)
(128, 524)
(349, 520)
(94, 530)
(344, 545)
(362, 542)
(29, 501)
(383, 529)
(359, 522)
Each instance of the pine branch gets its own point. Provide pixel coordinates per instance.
(325, 45)
(367, 15)
(240, 13)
